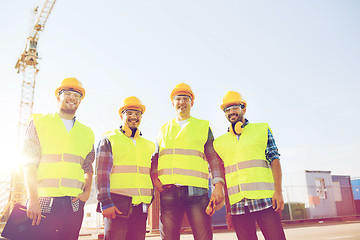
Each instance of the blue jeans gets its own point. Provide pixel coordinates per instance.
(268, 220)
(132, 228)
(174, 202)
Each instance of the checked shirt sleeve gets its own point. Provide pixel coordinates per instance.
(215, 162)
(31, 150)
(87, 165)
(271, 151)
(104, 164)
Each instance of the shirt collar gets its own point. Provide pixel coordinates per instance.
(246, 122)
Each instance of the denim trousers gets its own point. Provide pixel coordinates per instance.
(268, 220)
(62, 222)
(174, 202)
(131, 228)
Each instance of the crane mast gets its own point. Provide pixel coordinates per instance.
(27, 65)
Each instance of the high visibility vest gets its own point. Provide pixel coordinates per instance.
(247, 172)
(60, 170)
(131, 166)
(181, 154)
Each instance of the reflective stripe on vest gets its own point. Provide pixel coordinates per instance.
(251, 187)
(186, 172)
(247, 164)
(181, 153)
(130, 169)
(133, 191)
(248, 174)
(53, 158)
(130, 173)
(64, 182)
(60, 170)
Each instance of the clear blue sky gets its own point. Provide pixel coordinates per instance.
(297, 63)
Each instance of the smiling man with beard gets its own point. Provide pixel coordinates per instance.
(252, 173)
(123, 161)
(58, 155)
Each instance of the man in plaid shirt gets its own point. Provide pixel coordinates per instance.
(123, 162)
(252, 173)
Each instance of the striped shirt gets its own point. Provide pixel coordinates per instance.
(254, 205)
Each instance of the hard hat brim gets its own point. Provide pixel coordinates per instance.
(179, 91)
(79, 89)
(139, 107)
(228, 104)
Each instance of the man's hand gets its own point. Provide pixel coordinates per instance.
(156, 182)
(33, 208)
(34, 211)
(111, 212)
(210, 209)
(218, 193)
(84, 196)
(278, 201)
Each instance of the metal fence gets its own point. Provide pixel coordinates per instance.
(312, 202)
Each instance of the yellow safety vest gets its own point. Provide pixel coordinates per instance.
(181, 154)
(131, 166)
(247, 172)
(60, 170)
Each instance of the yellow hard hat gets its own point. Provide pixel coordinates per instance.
(232, 98)
(182, 89)
(72, 84)
(132, 103)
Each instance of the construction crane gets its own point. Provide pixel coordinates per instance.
(27, 65)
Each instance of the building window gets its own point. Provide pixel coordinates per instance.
(320, 188)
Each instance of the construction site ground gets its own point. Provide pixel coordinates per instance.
(316, 229)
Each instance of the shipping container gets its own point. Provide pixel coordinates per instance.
(357, 206)
(343, 195)
(153, 221)
(355, 183)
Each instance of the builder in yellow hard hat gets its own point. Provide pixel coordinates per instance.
(253, 172)
(123, 164)
(180, 169)
(58, 155)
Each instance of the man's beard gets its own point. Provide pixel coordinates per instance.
(238, 118)
(69, 111)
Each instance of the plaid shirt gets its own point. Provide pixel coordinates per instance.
(254, 205)
(104, 164)
(216, 165)
(32, 156)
